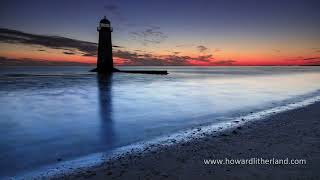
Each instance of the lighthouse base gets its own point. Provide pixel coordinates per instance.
(105, 71)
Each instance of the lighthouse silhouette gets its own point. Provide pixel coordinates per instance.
(105, 60)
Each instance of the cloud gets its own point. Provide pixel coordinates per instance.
(69, 53)
(70, 46)
(115, 46)
(305, 60)
(206, 58)
(74, 47)
(125, 54)
(312, 59)
(175, 60)
(55, 42)
(90, 54)
(133, 58)
(224, 62)
(152, 35)
(202, 48)
(147, 59)
(33, 62)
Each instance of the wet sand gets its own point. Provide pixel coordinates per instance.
(293, 134)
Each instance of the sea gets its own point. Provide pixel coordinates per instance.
(54, 114)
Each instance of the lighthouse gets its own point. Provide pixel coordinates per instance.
(105, 61)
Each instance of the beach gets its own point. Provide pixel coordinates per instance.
(293, 134)
(79, 125)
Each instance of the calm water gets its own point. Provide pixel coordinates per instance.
(49, 113)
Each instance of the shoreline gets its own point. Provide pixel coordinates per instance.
(95, 165)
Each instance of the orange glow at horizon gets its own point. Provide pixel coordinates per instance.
(238, 58)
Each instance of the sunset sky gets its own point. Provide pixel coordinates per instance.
(166, 32)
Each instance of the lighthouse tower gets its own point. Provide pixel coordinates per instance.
(105, 61)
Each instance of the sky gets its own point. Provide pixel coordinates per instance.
(150, 32)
